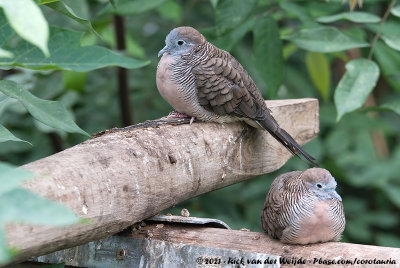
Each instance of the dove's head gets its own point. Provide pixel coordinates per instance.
(321, 183)
(182, 40)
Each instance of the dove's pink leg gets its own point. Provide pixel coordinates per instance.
(181, 115)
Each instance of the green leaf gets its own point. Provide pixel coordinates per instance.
(6, 254)
(396, 11)
(66, 54)
(392, 41)
(214, 3)
(393, 105)
(23, 206)
(230, 13)
(129, 7)
(288, 50)
(66, 10)
(324, 40)
(44, 2)
(300, 12)
(5, 54)
(229, 40)
(58, 265)
(268, 53)
(51, 113)
(355, 86)
(26, 18)
(20, 205)
(355, 16)
(388, 239)
(389, 33)
(74, 80)
(171, 10)
(11, 177)
(6, 135)
(320, 73)
(393, 194)
(389, 62)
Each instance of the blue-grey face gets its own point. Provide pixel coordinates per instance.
(325, 189)
(176, 44)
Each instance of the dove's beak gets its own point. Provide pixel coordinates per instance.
(334, 194)
(162, 51)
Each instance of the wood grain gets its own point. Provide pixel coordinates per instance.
(167, 244)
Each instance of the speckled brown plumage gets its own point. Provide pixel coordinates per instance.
(303, 208)
(205, 82)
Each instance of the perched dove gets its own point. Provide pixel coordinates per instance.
(202, 81)
(304, 208)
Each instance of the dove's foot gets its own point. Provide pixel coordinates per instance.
(177, 114)
(181, 115)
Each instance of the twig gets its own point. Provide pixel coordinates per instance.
(123, 88)
(56, 142)
(378, 34)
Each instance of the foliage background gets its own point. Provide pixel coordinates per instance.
(277, 43)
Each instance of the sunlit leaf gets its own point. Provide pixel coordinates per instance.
(26, 18)
(5, 54)
(320, 73)
(11, 177)
(268, 53)
(6, 135)
(51, 113)
(396, 11)
(355, 86)
(324, 39)
(359, 17)
(230, 13)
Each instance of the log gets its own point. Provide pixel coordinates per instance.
(188, 245)
(126, 175)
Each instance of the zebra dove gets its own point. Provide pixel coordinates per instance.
(304, 208)
(202, 81)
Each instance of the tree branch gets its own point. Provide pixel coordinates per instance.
(378, 34)
(122, 73)
(122, 177)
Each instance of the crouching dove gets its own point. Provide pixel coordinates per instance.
(202, 81)
(304, 208)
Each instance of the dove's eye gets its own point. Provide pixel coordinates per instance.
(180, 42)
(319, 185)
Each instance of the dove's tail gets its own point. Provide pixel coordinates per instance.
(286, 140)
